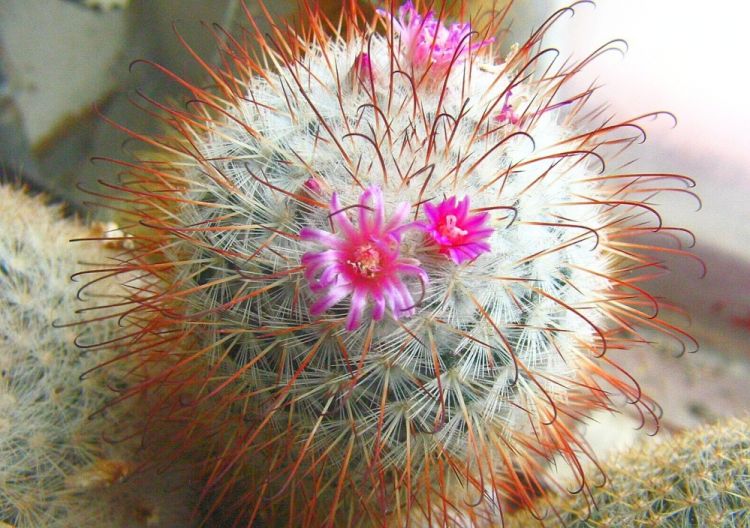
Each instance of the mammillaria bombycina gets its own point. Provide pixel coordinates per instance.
(384, 272)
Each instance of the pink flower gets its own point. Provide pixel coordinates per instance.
(507, 114)
(313, 186)
(459, 235)
(426, 40)
(362, 68)
(363, 261)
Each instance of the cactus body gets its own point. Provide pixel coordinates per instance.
(698, 478)
(385, 271)
(57, 468)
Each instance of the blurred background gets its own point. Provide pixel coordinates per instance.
(61, 59)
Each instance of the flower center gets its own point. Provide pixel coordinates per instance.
(365, 261)
(450, 230)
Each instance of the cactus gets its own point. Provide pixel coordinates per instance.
(384, 270)
(698, 478)
(57, 468)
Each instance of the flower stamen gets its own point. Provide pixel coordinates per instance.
(450, 230)
(366, 261)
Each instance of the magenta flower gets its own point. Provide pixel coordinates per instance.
(313, 186)
(426, 40)
(363, 261)
(507, 114)
(362, 68)
(459, 235)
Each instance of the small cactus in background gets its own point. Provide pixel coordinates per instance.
(384, 272)
(57, 468)
(699, 478)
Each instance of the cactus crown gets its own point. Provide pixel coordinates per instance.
(387, 265)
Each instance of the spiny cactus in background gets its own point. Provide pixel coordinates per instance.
(57, 468)
(699, 478)
(385, 272)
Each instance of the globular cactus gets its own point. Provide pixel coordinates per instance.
(385, 270)
(699, 478)
(57, 467)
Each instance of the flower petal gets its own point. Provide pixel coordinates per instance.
(359, 301)
(333, 296)
(378, 308)
(323, 238)
(340, 220)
